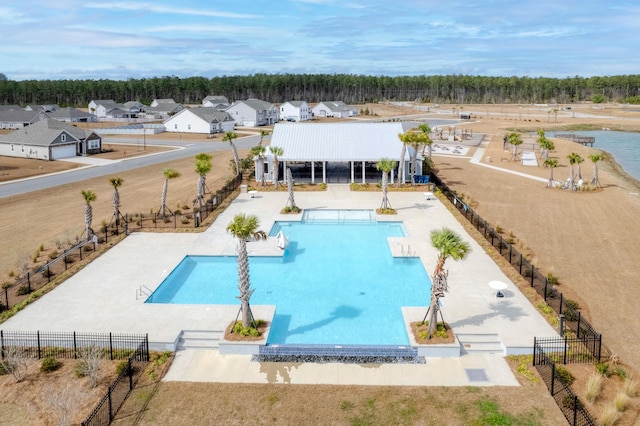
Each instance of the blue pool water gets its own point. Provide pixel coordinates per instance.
(337, 283)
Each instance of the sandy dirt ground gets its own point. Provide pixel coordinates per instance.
(586, 239)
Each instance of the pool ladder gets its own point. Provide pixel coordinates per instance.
(408, 253)
(143, 292)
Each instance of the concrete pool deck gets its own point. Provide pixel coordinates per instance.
(108, 295)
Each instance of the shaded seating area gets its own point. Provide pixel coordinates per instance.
(421, 179)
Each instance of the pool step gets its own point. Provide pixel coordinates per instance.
(199, 339)
(480, 343)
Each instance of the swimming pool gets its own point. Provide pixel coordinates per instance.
(337, 282)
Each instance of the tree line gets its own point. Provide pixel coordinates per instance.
(349, 88)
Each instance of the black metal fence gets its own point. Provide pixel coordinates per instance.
(568, 350)
(66, 345)
(566, 310)
(42, 275)
(568, 402)
(119, 390)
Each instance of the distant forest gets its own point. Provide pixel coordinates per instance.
(352, 89)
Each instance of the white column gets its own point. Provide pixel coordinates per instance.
(284, 172)
(353, 171)
(324, 172)
(392, 173)
(313, 172)
(363, 174)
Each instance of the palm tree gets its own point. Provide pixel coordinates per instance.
(88, 196)
(263, 133)
(552, 163)
(203, 166)
(116, 182)
(579, 160)
(596, 158)
(514, 139)
(230, 136)
(573, 159)
(168, 175)
(424, 128)
(244, 227)
(415, 140)
(259, 151)
(291, 203)
(385, 165)
(449, 245)
(546, 145)
(276, 151)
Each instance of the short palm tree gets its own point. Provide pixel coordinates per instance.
(89, 196)
(244, 227)
(263, 133)
(546, 145)
(203, 166)
(259, 152)
(514, 139)
(552, 163)
(230, 136)
(168, 175)
(424, 128)
(291, 203)
(116, 182)
(414, 140)
(596, 158)
(573, 159)
(385, 165)
(579, 160)
(449, 245)
(276, 151)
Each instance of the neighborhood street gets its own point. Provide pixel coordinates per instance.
(186, 149)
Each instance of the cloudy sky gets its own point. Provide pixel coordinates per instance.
(73, 39)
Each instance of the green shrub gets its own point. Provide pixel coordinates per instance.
(185, 221)
(50, 364)
(564, 375)
(249, 331)
(603, 368)
(552, 279)
(323, 186)
(122, 368)
(4, 368)
(570, 402)
(22, 290)
(81, 368)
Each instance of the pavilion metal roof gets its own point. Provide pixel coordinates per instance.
(340, 142)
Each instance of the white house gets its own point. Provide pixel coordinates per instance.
(337, 109)
(163, 110)
(200, 120)
(337, 152)
(49, 139)
(295, 111)
(108, 108)
(253, 112)
(212, 101)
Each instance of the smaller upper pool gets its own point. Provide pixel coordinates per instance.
(337, 282)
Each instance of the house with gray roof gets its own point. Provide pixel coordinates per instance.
(108, 108)
(163, 110)
(337, 109)
(215, 102)
(10, 107)
(295, 111)
(337, 152)
(73, 115)
(17, 119)
(157, 102)
(200, 120)
(253, 112)
(45, 108)
(49, 139)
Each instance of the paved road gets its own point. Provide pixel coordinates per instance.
(187, 149)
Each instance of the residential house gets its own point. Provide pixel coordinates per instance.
(337, 152)
(200, 120)
(73, 115)
(337, 109)
(157, 102)
(49, 139)
(295, 111)
(163, 110)
(107, 108)
(17, 119)
(45, 108)
(253, 112)
(220, 102)
(11, 107)
(134, 107)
